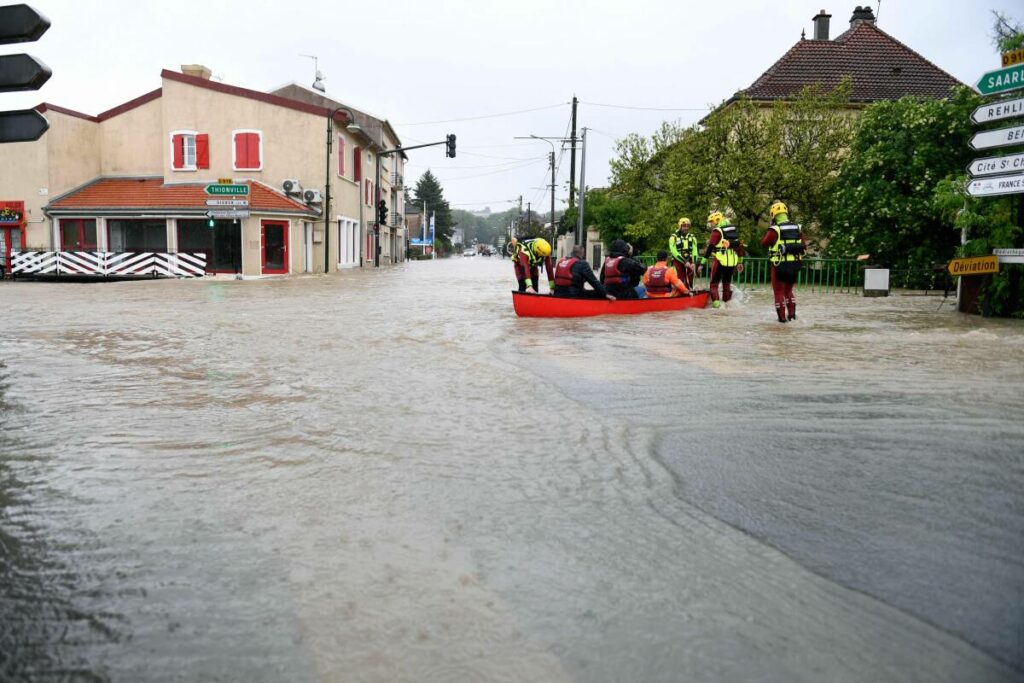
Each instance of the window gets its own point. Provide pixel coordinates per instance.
(247, 152)
(77, 234)
(137, 236)
(222, 243)
(341, 156)
(189, 150)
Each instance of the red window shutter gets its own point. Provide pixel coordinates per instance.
(253, 142)
(357, 163)
(341, 155)
(241, 151)
(178, 147)
(366, 192)
(203, 151)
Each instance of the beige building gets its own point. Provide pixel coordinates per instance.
(135, 179)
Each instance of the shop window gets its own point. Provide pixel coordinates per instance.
(222, 243)
(247, 150)
(137, 236)
(189, 150)
(78, 234)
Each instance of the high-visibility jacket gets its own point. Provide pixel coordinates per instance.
(725, 250)
(789, 244)
(683, 248)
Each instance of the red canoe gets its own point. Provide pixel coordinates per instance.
(546, 306)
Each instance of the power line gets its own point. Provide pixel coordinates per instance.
(504, 163)
(485, 116)
(503, 170)
(626, 106)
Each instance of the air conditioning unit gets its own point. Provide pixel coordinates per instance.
(312, 196)
(292, 186)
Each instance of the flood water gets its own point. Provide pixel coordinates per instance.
(387, 476)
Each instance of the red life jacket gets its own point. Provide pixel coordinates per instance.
(657, 282)
(612, 274)
(563, 272)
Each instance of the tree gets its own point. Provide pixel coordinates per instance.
(428, 189)
(883, 203)
(1007, 34)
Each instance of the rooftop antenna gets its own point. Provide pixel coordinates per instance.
(318, 80)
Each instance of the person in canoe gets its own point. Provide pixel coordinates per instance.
(662, 281)
(570, 274)
(527, 257)
(620, 273)
(786, 246)
(682, 245)
(725, 246)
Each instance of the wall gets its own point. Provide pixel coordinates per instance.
(23, 173)
(130, 143)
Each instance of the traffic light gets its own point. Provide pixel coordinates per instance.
(211, 222)
(21, 24)
(382, 212)
(450, 146)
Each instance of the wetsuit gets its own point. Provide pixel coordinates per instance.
(571, 273)
(527, 267)
(683, 249)
(724, 261)
(620, 275)
(786, 257)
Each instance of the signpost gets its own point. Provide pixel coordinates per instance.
(999, 185)
(998, 110)
(1009, 255)
(21, 24)
(227, 202)
(979, 265)
(1000, 137)
(996, 165)
(24, 125)
(222, 189)
(228, 213)
(1002, 80)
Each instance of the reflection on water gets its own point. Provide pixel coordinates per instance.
(387, 476)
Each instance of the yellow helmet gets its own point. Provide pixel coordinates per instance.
(776, 208)
(541, 247)
(714, 218)
(684, 221)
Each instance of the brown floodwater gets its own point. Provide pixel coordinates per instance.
(387, 476)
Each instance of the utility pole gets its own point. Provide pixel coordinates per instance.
(554, 230)
(581, 238)
(529, 216)
(572, 158)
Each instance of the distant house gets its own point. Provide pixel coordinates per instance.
(879, 66)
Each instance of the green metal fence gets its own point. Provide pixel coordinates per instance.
(817, 274)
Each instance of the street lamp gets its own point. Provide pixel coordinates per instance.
(354, 128)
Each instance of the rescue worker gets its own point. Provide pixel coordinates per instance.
(725, 246)
(570, 274)
(682, 245)
(662, 281)
(620, 273)
(527, 256)
(786, 246)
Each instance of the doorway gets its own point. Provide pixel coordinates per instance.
(274, 236)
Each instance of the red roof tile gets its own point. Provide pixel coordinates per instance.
(881, 68)
(153, 194)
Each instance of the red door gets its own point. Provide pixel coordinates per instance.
(274, 236)
(11, 239)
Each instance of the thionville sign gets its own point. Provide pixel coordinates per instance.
(1009, 255)
(222, 189)
(1012, 163)
(979, 265)
(991, 187)
(1002, 80)
(997, 111)
(1000, 137)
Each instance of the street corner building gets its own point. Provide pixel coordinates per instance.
(200, 177)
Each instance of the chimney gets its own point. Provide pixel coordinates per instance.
(862, 15)
(821, 25)
(197, 70)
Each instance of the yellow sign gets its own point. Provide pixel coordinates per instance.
(225, 181)
(1013, 57)
(980, 265)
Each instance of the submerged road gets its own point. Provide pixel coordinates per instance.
(387, 476)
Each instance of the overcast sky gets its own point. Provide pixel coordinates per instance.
(431, 60)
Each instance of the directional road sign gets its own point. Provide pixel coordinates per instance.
(1002, 80)
(1009, 255)
(979, 265)
(1000, 137)
(999, 185)
(21, 24)
(222, 189)
(24, 125)
(227, 202)
(1011, 163)
(22, 72)
(228, 213)
(999, 110)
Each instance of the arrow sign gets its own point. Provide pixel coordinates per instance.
(228, 213)
(25, 125)
(1000, 137)
(222, 189)
(22, 72)
(996, 165)
(992, 187)
(227, 202)
(1002, 80)
(997, 111)
(21, 24)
